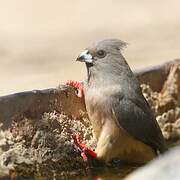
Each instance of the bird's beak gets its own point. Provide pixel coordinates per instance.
(85, 56)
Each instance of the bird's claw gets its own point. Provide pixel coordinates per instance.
(78, 86)
(84, 150)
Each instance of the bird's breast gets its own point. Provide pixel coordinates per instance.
(98, 105)
(97, 101)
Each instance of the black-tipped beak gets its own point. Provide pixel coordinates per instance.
(85, 56)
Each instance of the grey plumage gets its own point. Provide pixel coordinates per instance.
(113, 97)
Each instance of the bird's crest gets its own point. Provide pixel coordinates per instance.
(115, 43)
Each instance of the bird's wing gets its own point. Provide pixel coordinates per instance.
(135, 116)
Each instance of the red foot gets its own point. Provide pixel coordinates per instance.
(77, 85)
(84, 150)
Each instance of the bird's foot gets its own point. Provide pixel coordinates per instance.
(84, 150)
(78, 86)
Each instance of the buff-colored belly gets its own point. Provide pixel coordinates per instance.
(113, 142)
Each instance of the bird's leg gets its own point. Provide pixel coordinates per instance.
(84, 150)
(78, 86)
(76, 137)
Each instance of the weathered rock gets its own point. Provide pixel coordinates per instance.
(166, 103)
(34, 103)
(44, 147)
(36, 143)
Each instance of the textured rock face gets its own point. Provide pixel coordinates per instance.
(34, 103)
(37, 126)
(44, 147)
(36, 130)
(166, 103)
(166, 167)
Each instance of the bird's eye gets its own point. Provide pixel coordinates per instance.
(101, 53)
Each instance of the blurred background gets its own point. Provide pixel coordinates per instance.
(40, 39)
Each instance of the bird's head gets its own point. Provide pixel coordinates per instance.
(102, 51)
(104, 60)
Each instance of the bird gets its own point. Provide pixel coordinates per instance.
(123, 123)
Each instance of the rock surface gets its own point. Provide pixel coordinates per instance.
(44, 147)
(166, 103)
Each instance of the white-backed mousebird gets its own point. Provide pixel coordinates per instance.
(123, 123)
